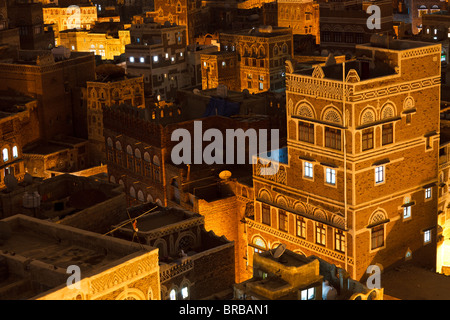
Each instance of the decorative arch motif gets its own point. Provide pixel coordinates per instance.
(339, 221)
(320, 214)
(259, 242)
(377, 216)
(387, 111)
(265, 195)
(109, 142)
(129, 150)
(281, 200)
(318, 72)
(304, 109)
(332, 115)
(147, 157)
(368, 116)
(300, 207)
(408, 103)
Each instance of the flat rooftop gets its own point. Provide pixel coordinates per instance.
(288, 258)
(35, 254)
(161, 218)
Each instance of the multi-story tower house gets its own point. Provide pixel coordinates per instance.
(344, 24)
(357, 183)
(220, 68)
(158, 53)
(301, 16)
(262, 53)
(55, 81)
(28, 17)
(188, 13)
(104, 92)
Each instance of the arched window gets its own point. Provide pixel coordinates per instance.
(132, 192)
(15, 152)
(173, 294)
(140, 196)
(156, 169)
(5, 154)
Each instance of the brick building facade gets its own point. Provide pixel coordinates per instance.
(343, 195)
(262, 53)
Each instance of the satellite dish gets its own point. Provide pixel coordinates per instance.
(225, 175)
(279, 251)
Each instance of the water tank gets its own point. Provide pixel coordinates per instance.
(61, 52)
(31, 200)
(265, 29)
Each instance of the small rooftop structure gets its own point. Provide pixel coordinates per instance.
(286, 275)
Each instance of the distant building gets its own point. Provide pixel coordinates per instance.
(301, 16)
(188, 13)
(158, 53)
(36, 255)
(52, 79)
(108, 90)
(28, 18)
(293, 276)
(18, 126)
(343, 24)
(46, 159)
(83, 16)
(105, 39)
(261, 53)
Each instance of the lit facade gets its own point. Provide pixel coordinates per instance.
(105, 93)
(263, 52)
(107, 40)
(341, 192)
(301, 16)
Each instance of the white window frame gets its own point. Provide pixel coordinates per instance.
(330, 176)
(427, 237)
(428, 193)
(308, 294)
(407, 212)
(308, 170)
(379, 175)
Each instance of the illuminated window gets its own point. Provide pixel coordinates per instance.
(5, 154)
(407, 208)
(173, 295)
(184, 293)
(15, 152)
(320, 234)
(132, 59)
(427, 236)
(224, 63)
(308, 294)
(339, 240)
(141, 59)
(428, 193)
(307, 169)
(330, 176)
(301, 228)
(379, 174)
(155, 58)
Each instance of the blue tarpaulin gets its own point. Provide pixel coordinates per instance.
(221, 107)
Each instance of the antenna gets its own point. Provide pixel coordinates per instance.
(279, 251)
